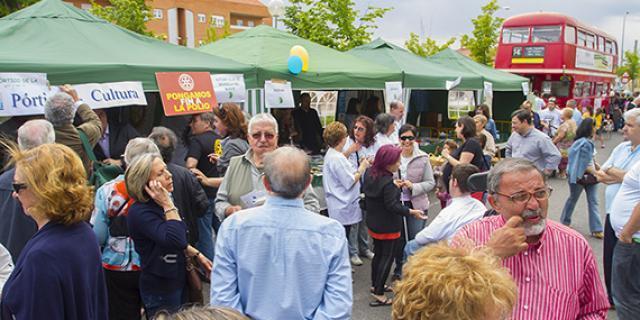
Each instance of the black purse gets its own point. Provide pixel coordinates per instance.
(587, 179)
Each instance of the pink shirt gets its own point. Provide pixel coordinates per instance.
(557, 278)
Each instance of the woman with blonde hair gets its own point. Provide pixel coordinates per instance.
(564, 139)
(203, 313)
(444, 283)
(58, 274)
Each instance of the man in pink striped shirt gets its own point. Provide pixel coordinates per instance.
(552, 264)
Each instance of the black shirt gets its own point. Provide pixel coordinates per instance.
(200, 146)
(309, 126)
(472, 146)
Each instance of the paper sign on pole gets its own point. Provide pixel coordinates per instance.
(229, 87)
(525, 88)
(452, 84)
(23, 94)
(460, 103)
(113, 94)
(393, 91)
(278, 95)
(597, 103)
(186, 92)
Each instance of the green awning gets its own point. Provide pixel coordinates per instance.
(267, 49)
(502, 81)
(73, 46)
(418, 73)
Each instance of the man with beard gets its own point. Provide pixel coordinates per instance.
(553, 265)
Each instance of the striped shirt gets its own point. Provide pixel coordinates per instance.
(557, 278)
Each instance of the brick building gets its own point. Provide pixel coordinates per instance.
(186, 21)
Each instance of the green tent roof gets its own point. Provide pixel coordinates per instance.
(73, 46)
(419, 73)
(268, 49)
(502, 81)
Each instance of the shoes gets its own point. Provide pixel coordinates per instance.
(598, 235)
(367, 254)
(602, 146)
(381, 303)
(355, 260)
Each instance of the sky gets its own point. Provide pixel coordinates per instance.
(442, 19)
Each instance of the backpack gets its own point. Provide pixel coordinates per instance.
(101, 173)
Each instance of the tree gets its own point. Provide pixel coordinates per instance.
(129, 14)
(9, 6)
(428, 48)
(485, 34)
(212, 33)
(333, 23)
(631, 66)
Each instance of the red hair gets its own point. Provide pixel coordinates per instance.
(386, 156)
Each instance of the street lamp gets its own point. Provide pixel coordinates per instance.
(624, 24)
(276, 9)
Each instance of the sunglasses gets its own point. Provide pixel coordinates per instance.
(405, 138)
(359, 129)
(18, 186)
(266, 135)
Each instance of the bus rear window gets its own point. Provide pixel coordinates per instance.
(556, 88)
(515, 35)
(546, 34)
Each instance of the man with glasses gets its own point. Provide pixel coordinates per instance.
(242, 187)
(553, 265)
(528, 143)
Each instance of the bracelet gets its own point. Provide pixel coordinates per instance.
(171, 209)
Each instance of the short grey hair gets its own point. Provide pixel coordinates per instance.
(34, 133)
(633, 113)
(383, 121)
(287, 170)
(207, 117)
(59, 109)
(137, 147)
(166, 140)
(508, 165)
(263, 117)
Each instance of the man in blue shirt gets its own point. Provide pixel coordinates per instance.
(611, 173)
(279, 260)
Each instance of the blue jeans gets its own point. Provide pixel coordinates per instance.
(358, 237)
(595, 224)
(205, 233)
(625, 280)
(415, 225)
(154, 302)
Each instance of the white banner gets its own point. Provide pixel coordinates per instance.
(113, 94)
(229, 87)
(452, 84)
(278, 95)
(393, 91)
(23, 94)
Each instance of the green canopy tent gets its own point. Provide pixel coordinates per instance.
(418, 73)
(73, 46)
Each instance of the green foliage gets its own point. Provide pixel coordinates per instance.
(427, 48)
(484, 39)
(9, 6)
(333, 23)
(212, 33)
(631, 66)
(129, 14)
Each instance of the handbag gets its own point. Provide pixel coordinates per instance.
(194, 282)
(587, 179)
(101, 173)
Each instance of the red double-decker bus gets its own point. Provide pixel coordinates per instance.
(561, 56)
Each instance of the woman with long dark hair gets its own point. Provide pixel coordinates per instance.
(384, 220)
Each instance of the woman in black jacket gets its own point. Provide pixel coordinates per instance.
(384, 217)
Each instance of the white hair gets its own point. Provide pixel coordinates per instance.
(633, 113)
(287, 169)
(34, 133)
(263, 117)
(137, 147)
(59, 109)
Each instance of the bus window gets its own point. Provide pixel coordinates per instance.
(556, 88)
(515, 35)
(582, 89)
(546, 34)
(582, 38)
(600, 44)
(608, 47)
(601, 88)
(569, 34)
(591, 41)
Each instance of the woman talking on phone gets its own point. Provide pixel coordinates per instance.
(159, 235)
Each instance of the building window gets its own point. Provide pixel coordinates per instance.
(202, 18)
(250, 23)
(239, 23)
(157, 13)
(217, 21)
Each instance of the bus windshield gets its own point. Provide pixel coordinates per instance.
(515, 35)
(546, 33)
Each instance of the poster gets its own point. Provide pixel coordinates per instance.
(525, 88)
(591, 60)
(460, 104)
(23, 94)
(278, 95)
(229, 87)
(393, 91)
(186, 93)
(487, 95)
(112, 94)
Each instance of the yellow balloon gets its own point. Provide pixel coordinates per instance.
(301, 52)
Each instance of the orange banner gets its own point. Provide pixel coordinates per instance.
(186, 92)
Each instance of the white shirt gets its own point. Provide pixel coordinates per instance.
(6, 266)
(395, 135)
(364, 152)
(342, 193)
(383, 139)
(456, 215)
(627, 198)
(552, 117)
(539, 105)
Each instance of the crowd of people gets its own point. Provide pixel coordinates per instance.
(243, 214)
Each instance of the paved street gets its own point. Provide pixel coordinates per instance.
(361, 309)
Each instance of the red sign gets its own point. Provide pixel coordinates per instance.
(186, 92)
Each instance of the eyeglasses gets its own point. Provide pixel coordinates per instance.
(524, 196)
(266, 135)
(359, 129)
(405, 138)
(18, 186)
